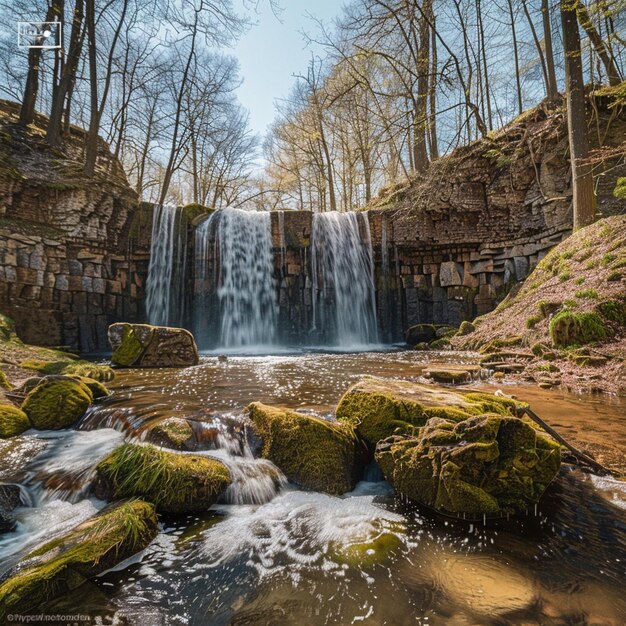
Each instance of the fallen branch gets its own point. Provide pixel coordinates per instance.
(580, 456)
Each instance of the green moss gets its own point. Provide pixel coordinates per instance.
(614, 276)
(565, 275)
(533, 320)
(69, 367)
(130, 348)
(63, 564)
(614, 311)
(57, 402)
(13, 421)
(175, 483)
(98, 390)
(580, 280)
(311, 452)
(620, 188)
(607, 259)
(569, 328)
(590, 294)
(466, 328)
(484, 465)
(547, 308)
(439, 344)
(4, 381)
(379, 408)
(172, 432)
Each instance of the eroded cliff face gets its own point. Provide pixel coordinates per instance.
(73, 251)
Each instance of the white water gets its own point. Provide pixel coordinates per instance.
(243, 276)
(163, 254)
(300, 530)
(344, 300)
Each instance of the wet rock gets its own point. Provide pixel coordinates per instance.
(378, 408)
(484, 465)
(314, 453)
(98, 390)
(65, 563)
(13, 421)
(420, 333)
(16, 453)
(175, 483)
(9, 500)
(57, 402)
(172, 432)
(452, 374)
(141, 345)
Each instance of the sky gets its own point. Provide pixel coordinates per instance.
(273, 51)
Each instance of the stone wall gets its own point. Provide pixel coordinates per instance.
(73, 252)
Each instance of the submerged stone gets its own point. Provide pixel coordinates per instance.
(312, 452)
(172, 432)
(13, 421)
(378, 408)
(142, 345)
(484, 465)
(175, 483)
(57, 402)
(63, 564)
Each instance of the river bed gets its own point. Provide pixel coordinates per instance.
(363, 558)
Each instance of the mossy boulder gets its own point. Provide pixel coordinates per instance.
(175, 483)
(4, 381)
(312, 452)
(570, 328)
(452, 374)
(420, 333)
(13, 421)
(484, 465)
(142, 345)
(98, 390)
(57, 402)
(65, 563)
(69, 367)
(378, 408)
(466, 328)
(172, 432)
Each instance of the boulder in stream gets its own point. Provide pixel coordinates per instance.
(13, 421)
(142, 345)
(63, 564)
(378, 408)
(175, 483)
(9, 500)
(483, 465)
(312, 452)
(57, 402)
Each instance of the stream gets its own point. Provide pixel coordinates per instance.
(271, 554)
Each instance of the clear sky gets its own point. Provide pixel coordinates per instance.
(274, 50)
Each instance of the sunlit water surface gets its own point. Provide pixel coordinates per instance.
(309, 558)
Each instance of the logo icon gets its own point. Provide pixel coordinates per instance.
(39, 35)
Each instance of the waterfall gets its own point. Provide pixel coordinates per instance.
(165, 285)
(235, 262)
(342, 268)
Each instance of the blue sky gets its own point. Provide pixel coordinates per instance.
(273, 51)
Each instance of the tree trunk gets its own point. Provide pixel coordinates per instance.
(53, 134)
(583, 198)
(552, 87)
(27, 110)
(91, 140)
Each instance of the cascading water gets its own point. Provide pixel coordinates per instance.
(342, 268)
(234, 261)
(165, 286)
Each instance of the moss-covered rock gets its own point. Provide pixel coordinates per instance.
(142, 345)
(171, 432)
(313, 453)
(378, 408)
(569, 328)
(57, 402)
(466, 328)
(420, 332)
(4, 381)
(452, 374)
(175, 483)
(13, 421)
(69, 367)
(65, 563)
(98, 390)
(484, 465)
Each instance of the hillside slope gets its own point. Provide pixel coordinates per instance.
(567, 321)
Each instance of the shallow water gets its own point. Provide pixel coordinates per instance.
(365, 558)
